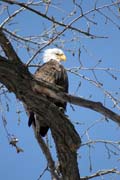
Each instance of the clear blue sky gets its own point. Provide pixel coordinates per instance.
(31, 163)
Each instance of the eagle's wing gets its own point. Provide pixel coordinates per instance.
(54, 73)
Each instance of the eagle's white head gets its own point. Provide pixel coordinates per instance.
(54, 54)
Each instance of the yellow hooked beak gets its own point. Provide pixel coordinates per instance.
(62, 57)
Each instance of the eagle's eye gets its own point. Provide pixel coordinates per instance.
(57, 54)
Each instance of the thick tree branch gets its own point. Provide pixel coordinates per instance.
(55, 93)
(8, 48)
(95, 106)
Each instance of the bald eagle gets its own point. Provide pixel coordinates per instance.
(53, 72)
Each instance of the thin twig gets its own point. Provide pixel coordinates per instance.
(11, 17)
(100, 173)
(69, 26)
(43, 173)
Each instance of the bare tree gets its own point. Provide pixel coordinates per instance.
(65, 28)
